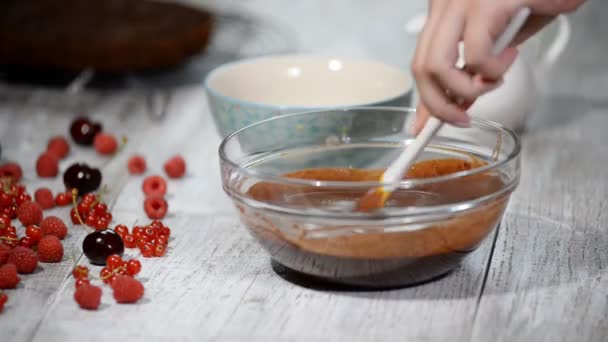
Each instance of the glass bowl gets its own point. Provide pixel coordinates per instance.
(296, 196)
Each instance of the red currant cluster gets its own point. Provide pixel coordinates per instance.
(8, 232)
(152, 240)
(118, 273)
(12, 195)
(92, 211)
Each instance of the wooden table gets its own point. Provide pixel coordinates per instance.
(540, 277)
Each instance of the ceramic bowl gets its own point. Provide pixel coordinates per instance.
(249, 91)
(306, 223)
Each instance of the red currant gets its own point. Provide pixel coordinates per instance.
(114, 261)
(157, 224)
(165, 231)
(105, 274)
(162, 240)
(62, 199)
(147, 250)
(129, 241)
(141, 242)
(121, 229)
(101, 223)
(80, 272)
(5, 199)
(138, 231)
(159, 250)
(133, 267)
(150, 233)
(88, 199)
(91, 220)
(34, 233)
(22, 198)
(11, 230)
(108, 216)
(100, 209)
(82, 281)
(27, 242)
(74, 216)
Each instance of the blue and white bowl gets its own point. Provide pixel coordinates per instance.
(249, 91)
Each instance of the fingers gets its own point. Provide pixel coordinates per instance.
(534, 24)
(422, 116)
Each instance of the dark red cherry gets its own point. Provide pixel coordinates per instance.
(99, 245)
(82, 177)
(83, 130)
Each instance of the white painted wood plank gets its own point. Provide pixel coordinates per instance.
(548, 280)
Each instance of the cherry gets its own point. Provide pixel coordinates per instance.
(82, 177)
(83, 131)
(133, 267)
(99, 245)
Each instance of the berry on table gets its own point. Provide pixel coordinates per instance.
(105, 143)
(34, 233)
(44, 198)
(12, 171)
(129, 241)
(127, 289)
(137, 165)
(82, 281)
(114, 261)
(106, 275)
(29, 213)
(82, 177)
(4, 252)
(47, 165)
(88, 296)
(3, 300)
(8, 276)
(175, 167)
(121, 229)
(63, 199)
(50, 249)
(83, 131)
(159, 250)
(22, 198)
(99, 245)
(58, 146)
(26, 241)
(155, 207)
(147, 250)
(53, 225)
(133, 267)
(80, 272)
(24, 258)
(154, 186)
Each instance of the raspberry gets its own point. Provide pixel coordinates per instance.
(105, 143)
(175, 167)
(127, 289)
(29, 213)
(50, 249)
(3, 300)
(8, 276)
(88, 296)
(155, 207)
(47, 165)
(11, 170)
(154, 186)
(4, 252)
(137, 165)
(24, 258)
(53, 225)
(58, 146)
(44, 198)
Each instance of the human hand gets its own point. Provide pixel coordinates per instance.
(478, 23)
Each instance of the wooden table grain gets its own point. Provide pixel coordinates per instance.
(540, 277)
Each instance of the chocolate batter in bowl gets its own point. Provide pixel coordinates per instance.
(297, 199)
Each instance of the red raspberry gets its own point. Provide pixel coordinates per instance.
(47, 165)
(24, 258)
(155, 207)
(58, 146)
(127, 289)
(63, 198)
(11, 170)
(3, 300)
(88, 296)
(105, 143)
(175, 167)
(44, 197)
(29, 213)
(50, 249)
(53, 225)
(4, 252)
(8, 276)
(137, 165)
(154, 186)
